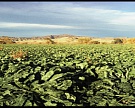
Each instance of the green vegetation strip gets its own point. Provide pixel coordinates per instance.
(68, 75)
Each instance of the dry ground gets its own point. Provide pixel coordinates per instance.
(63, 40)
(107, 40)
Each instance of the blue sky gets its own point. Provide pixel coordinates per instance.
(99, 19)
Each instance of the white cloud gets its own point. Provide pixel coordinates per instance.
(97, 13)
(107, 16)
(114, 19)
(68, 12)
(127, 18)
(29, 25)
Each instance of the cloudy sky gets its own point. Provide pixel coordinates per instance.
(99, 19)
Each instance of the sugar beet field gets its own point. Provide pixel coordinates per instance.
(67, 75)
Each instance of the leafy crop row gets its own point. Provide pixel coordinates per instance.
(79, 75)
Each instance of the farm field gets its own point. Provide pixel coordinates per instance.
(67, 75)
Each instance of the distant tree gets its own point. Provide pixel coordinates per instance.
(2, 42)
(117, 41)
(84, 40)
(95, 42)
(52, 37)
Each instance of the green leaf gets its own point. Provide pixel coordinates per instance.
(65, 84)
(48, 103)
(25, 86)
(47, 75)
(102, 103)
(40, 90)
(1, 97)
(19, 100)
(108, 81)
(28, 103)
(24, 75)
(82, 65)
(32, 77)
(19, 59)
(37, 69)
(12, 67)
(56, 76)
(123, 80)
(4, 67)
(7, 92)
(89, 93)
(82, 78)
(132, 73)
(16, 80)
(70, 96)
(113, 102)
(67, 103)
(133, 84)
(90, 72)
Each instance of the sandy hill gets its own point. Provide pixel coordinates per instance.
(59, 39)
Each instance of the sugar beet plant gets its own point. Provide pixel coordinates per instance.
(79, 75)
